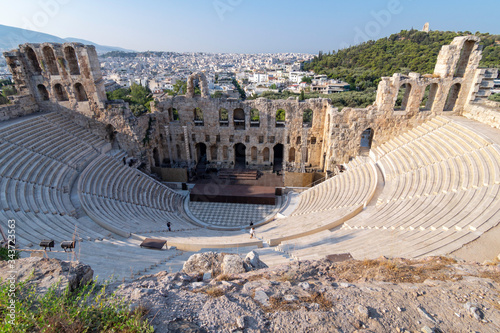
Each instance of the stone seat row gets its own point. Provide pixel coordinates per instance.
(349, 188)
(31, 227)
(125, 218)
(36, 169)
(430, 208)
(109, 178)
(69, 126)
(472, 170)
(448, 140)
(56, 147)
(18, 195)
(312, 222)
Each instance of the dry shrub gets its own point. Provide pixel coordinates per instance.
(395, 270)
(213, 291)
(225, 277)
(277, 303)
(320, 299)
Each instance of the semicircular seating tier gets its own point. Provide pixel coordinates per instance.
(125, 200)
(442, 190)
(326, 205)
(40, 160)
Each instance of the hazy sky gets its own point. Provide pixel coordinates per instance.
(245, 26)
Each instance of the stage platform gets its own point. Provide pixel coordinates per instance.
(262, 195)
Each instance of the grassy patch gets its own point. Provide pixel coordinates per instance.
(87, 309)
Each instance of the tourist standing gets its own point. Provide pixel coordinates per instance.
(252, 232)
(169, 225)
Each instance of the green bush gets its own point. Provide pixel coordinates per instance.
(4, 255)
(88, 309)
(494, 97)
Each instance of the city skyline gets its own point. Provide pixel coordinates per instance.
(241, 26)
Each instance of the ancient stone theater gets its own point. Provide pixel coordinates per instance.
(410, 181)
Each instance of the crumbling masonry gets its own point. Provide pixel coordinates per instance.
(182, 129)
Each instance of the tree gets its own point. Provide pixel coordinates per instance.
(273, 86)
(302, 95)
(217, 94)
(280, 115)
(307, 79)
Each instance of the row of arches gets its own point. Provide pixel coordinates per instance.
(239, 118)
(61, 94)
(428, 97)
(240, 154)
(50, 63)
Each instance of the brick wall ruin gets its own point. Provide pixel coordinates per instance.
(67, 78)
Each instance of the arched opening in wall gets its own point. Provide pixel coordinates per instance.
(60, 92)
(254, 118)
(223, 117)
(239, 156)
(178, 149)
(50, 60)
(156, 157)
(254, 154)
(42, 91)
(70, 55)
(464, 58)
(306, 155)
(239, 119)
(213, 153)
(291, 155)
(198, 117)
(265, 154)
(366, 138)
(173, 114)
(429, 97)
(33, 61)
(280, 118)
(452, 97)
(80, 93)
(307, 118)
(71, 60)
(278, 157)
(403, 97)
(225, 153)
(201, 152)
(110, 133)
(298, 140)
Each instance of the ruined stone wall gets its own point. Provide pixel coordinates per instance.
(68, 74)
(67, 78)
(20, 106)
(487, 112)
(259, 137)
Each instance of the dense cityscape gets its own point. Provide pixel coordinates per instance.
(255, 73)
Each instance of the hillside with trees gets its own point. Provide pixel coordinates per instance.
(363, 65)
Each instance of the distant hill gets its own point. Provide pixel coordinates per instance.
(11, 38)
(408, 51)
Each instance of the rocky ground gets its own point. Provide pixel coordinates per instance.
(432, 295)
(384, 295)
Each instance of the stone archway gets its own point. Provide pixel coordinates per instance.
(240, 156)
(202, 80)
(278, 157)
(201, 152)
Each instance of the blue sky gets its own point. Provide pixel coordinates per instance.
(245, 26)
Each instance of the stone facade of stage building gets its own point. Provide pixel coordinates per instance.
(67, 78)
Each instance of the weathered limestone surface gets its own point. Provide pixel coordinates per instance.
(67, 77)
